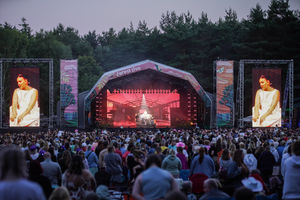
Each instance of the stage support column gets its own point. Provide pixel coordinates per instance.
(1, 94)
(51, 99)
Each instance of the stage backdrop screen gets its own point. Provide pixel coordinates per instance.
(266, 93)
(24, 109)
(133, 108)
(224, 87)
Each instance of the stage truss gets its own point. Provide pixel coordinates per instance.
(288, 91)
(23, 61)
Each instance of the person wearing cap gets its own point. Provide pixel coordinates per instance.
(33, 152)
(253, 184)
(249, 160)
(84, 147)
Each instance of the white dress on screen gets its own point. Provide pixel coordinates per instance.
(272, 120)
(33, 117)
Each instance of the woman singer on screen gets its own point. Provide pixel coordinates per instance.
(24, 110)
(266, 111)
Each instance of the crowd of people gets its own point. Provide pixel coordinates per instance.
(249, 163)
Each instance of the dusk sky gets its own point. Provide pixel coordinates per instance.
(100, 15)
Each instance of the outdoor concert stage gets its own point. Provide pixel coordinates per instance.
(145, 95)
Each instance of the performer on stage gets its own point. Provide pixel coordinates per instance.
(266, 111)
(25, 111)
(144, 119)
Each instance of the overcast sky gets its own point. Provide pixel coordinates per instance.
(100, 15)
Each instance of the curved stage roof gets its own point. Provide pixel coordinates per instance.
(137, 68)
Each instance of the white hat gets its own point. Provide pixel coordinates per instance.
(252, 184)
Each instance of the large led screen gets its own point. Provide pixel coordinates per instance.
(134, 108)
(266, 91)
(24, 109)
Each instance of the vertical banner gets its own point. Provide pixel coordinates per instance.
(266, 90)
(69, 92)
(224, 95)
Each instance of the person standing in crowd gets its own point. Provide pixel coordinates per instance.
(225, 160)
(280, 148)
(250, 161)
(154, 182)
(51, 170)
(202, 163)
(33, 152)
(84, 160)
(117, 149)
(254, 185)
(266, 163)
(113, 163)
(65, 160)
(182, 158)
(35, 174)
(173, 145)
(102, 153)
(285, 156)
(92, 159)
(60, 193)
(78, 180)
(244, 193)
(13, 184)
(172, 164)
(211, 188)
(274, 152)
(237, 169)
(292, 174)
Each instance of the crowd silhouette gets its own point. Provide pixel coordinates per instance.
(248, 163)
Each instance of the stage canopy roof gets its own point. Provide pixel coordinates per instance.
(119, 78)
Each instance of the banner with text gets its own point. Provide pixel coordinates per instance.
(224, 93)
(69, 92)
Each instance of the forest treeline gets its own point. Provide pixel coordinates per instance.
(180, 41)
